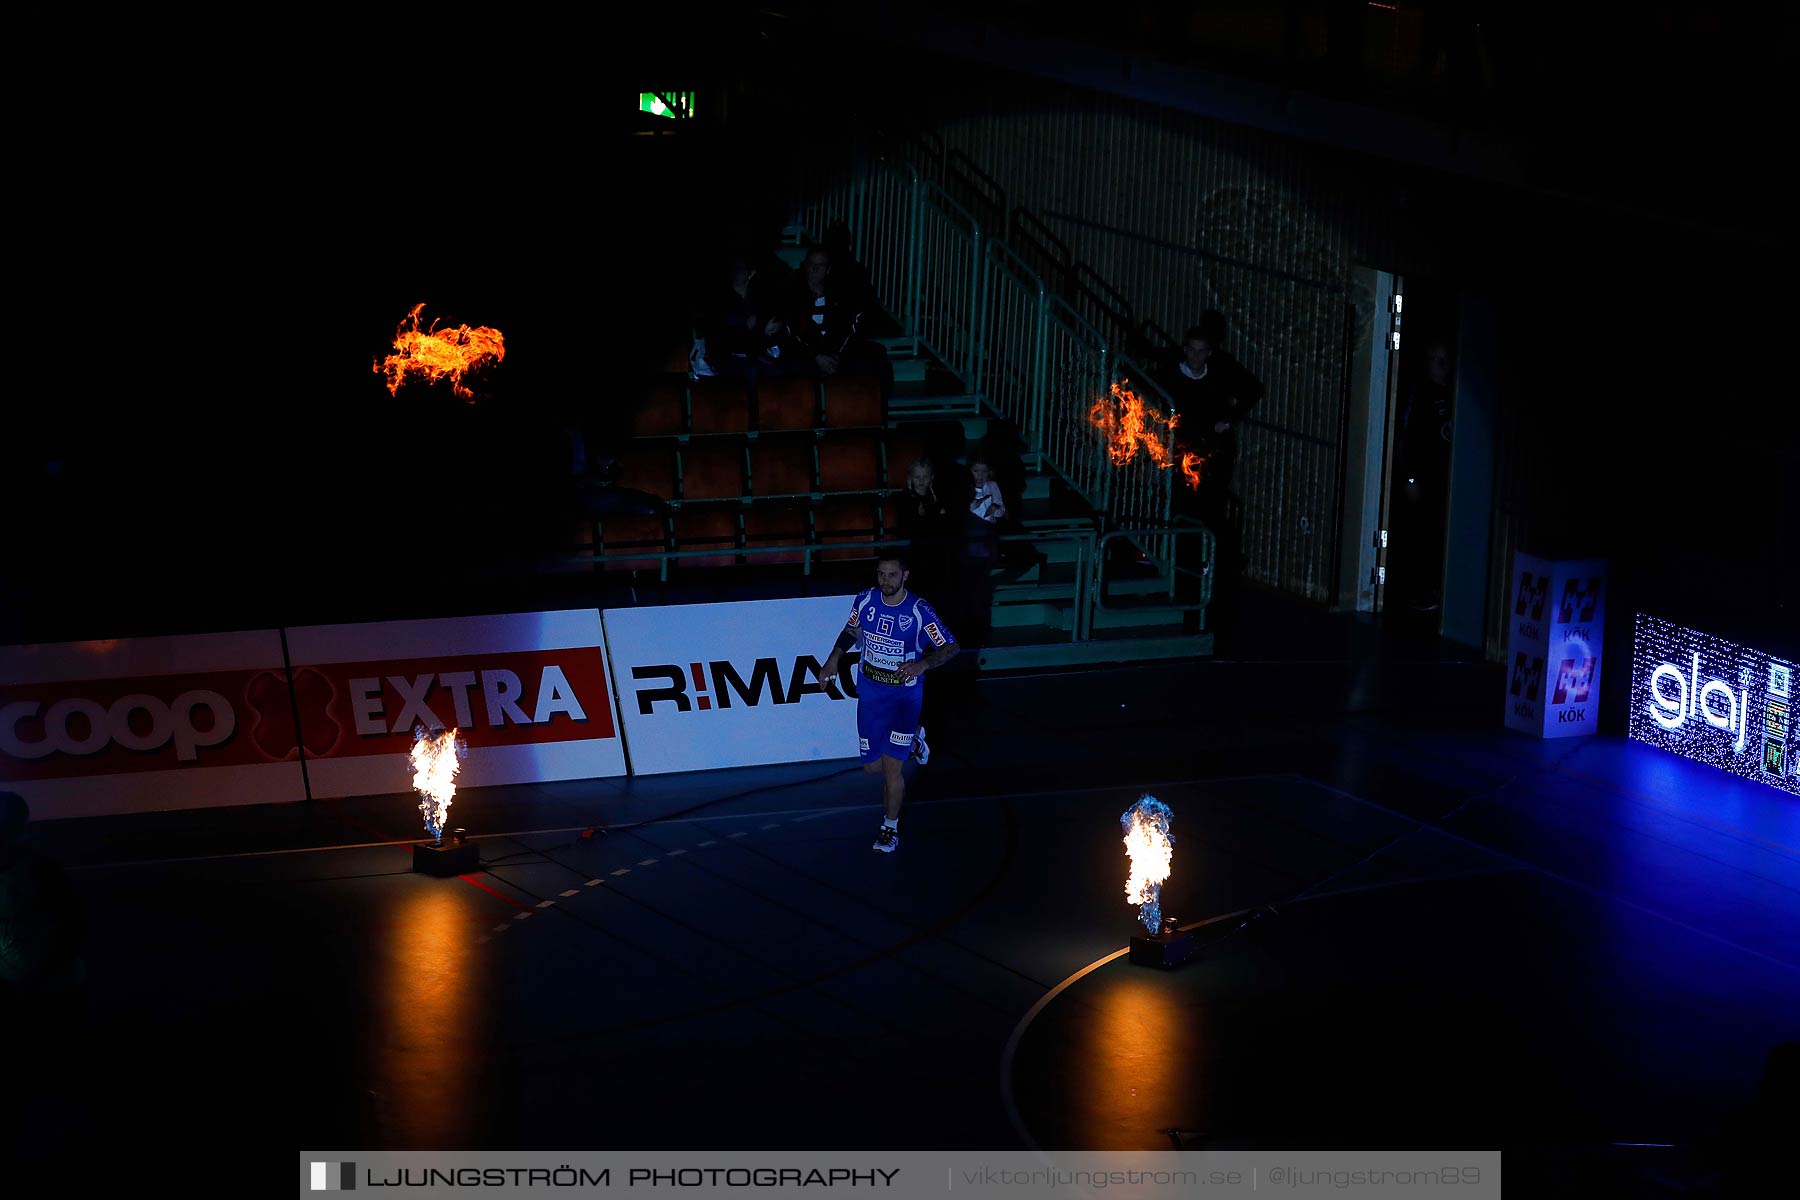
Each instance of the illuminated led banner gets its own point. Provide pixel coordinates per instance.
(1553, 646)
(1705, 698)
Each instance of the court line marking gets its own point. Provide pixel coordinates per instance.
(790, 814)
(1007, 1096)
(1518, 863)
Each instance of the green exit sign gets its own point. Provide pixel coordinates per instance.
(675, 105)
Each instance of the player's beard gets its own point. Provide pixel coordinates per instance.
(888, 593)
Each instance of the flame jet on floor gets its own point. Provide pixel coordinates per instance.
(436, 757)
(1151, 847)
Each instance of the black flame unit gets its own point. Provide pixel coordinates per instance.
(1169, 948)
(455, 856)
(1172, 946)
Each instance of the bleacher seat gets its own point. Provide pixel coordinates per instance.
(846, 519)
(664, 412)
(712, 471)
(787, 404)
(705, 529)
(648, 468)
(775, 525)
(853, 401)
(781, 466)
(850, 463)
(633, 533)
(719, 406)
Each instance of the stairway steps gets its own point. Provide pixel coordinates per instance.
(1025, 647)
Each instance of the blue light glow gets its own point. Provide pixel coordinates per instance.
(1705, 698)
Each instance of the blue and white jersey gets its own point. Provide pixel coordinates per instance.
(891, 634)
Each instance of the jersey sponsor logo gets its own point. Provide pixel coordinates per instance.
(935, 634)
(882, 650)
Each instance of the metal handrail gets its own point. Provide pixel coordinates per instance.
(987, 313)
(1084, 540)
(1208, 541)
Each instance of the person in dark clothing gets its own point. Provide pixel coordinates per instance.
(846, 271)
(602, 497)
(926, 523)
(931, 528)
(41, 919)
(735, 321)
(43, 927)
(980, 553)
(821, 324)
(1422, 483)
(1213, 392)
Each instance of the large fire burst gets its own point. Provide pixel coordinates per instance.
(1131, 423)
(435, 760)
(432, 354)
(1151, 847)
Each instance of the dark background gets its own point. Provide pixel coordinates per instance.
(219, 248)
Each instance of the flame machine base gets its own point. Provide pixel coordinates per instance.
(1169, 948)
(456, 856)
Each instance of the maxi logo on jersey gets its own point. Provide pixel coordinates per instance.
(726, 682)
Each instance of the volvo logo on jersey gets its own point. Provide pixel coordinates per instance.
(703, 686)
(727, 685)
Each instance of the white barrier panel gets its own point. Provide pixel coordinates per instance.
(1702, 697)
(732, 685)
(529, 691)
(141, 724)
(1553, 646)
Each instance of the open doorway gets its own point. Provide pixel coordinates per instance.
(1422, 429)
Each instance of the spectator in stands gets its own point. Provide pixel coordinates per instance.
(1214, 392)
(821, 325)
(980, 547)
(929, 524)
(602, 497)
(737, 324)
(848, 273)
(925, 522)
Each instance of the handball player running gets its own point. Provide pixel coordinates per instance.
(901, 637)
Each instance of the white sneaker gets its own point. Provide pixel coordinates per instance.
(921, 750)
(887, 839)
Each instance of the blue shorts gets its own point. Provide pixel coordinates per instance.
(887, 717)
